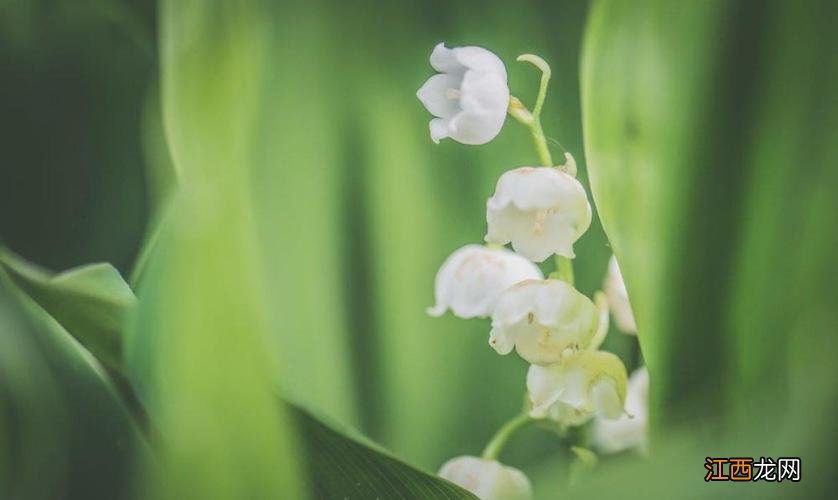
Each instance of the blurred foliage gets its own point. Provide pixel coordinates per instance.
(269, 164)
(91, 302)
(73, 79)
(712, 140)
(66, 433)
(344, 464)
(196, 348)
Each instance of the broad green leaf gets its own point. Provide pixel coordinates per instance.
(161, 179)
(712, 142)
(304, 211)
(646, 75)
(699, 181)
(66, 432)
(91, 302)
(347, 465)
(199, 350)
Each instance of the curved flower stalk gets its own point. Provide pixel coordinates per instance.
(618, 299)
(471, 279)
(542, 211)
(488, 479)
(586, 384)
(469, 97)
(629, 431)
(543, 320)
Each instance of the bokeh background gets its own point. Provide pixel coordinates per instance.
(319, 211)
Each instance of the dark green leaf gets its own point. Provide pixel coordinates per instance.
(712, 137)
(90, 301)
(94, 299)
(343, 464)
(66, 432)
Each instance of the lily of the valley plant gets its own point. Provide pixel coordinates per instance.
(541, 211)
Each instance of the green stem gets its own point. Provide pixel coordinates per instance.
(564, 269)
(540, 142)
(538, 137)
(502, 436)
(542, 65)
(564, 266)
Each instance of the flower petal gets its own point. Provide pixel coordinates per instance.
(439, 129)
(545, 319)
(500, 342)
(544, 388)
(435, 95)
(444, 60)
(582, 385)
(630, 430)
(471, 279)
(541, 211)
(618, 299)
(488, 479)
(606, 400)
(480, 59)
(475, 129)
(484, 93)
(536, 188)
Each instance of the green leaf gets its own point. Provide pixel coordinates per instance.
(66, 432)
(91, 302)
(712, 139)
(346, 465)
(300, 192)
(710, 158)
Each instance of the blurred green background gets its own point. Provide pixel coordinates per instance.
(312, 213)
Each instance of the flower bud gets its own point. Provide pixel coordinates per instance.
(471, 279)
(469, 97)
(583, 385)
(541, 210)
(631, 430)
(618, 299)
(542, 319)
(488, 479)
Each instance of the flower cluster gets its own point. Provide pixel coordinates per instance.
(541, 211)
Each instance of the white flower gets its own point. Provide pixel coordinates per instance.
(542, 211)
(585, 384)
(542, 319)
(471, 279)
(488, 479)
(469, 97)
(618, 299)
(629, 431)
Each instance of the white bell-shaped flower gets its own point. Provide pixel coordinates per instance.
(469, 97)
(629, 431)
(618, 299)
(542, 319)
(583, 385)
(541, 210)
(471, 279)
(488, 479)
